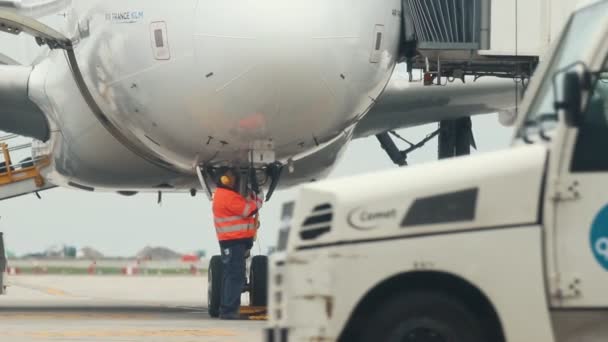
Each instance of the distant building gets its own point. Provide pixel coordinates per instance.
(158, 253)
(90, 253)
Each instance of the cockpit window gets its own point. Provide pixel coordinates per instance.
(572, 47)
(158, 37)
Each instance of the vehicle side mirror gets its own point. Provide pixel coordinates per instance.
(572, 99)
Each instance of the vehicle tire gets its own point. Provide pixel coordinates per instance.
(422, 316)
(258, 280)
(214, 288)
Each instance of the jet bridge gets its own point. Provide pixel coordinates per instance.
(23, 177)
(448, 40)
(451, 39)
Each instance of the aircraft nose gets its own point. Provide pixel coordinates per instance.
(297, 63)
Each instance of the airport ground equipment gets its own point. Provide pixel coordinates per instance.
(25, 176)
(257, 286)
(2, 264)
(504, 246)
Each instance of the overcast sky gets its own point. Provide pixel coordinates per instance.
(121, 226)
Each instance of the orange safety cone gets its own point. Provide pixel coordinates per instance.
(92, 269)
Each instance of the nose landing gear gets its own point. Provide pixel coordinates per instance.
(256, 177)
(257, 286)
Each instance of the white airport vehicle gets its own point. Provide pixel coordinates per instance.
(503, 246)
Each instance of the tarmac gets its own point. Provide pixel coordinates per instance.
(116, 308)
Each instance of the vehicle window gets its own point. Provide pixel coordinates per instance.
(571, 49)
(589, 151)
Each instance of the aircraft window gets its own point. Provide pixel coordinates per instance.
(158, 36)
(160, 40)
(377, 44)
(378, 40)
(593, 132)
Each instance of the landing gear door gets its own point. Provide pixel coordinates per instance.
(581, 210)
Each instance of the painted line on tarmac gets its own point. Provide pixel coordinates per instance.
(123, 333)
(73, 316)
(46, 290)
(55, 292)
(190, 308)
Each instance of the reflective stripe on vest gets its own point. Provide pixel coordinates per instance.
(231, 229)
(233, 215)
(246, 212)
(233, 224)
(228, 219)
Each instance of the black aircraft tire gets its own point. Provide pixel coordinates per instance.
(258, 279)
(422, 316)
(214, 288)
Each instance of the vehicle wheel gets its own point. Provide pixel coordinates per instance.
(258, 279)
(214, 288)
(422, 316)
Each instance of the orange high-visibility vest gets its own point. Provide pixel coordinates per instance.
(234, 215)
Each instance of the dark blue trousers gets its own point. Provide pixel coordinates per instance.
(233, 279)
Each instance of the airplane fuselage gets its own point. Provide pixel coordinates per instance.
(173, 85)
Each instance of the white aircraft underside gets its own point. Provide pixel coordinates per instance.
(157, 88)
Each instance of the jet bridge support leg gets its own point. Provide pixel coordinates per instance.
(455, 138)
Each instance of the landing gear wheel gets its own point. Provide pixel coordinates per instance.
(423, 316)
(214, 288)
(258, 279)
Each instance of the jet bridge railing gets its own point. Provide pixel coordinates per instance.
(26, 169)
(445, 38)
(8, 137)
(449, 24)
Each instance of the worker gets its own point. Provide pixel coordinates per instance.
(236, 224)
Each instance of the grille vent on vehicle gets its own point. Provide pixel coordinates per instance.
(318, 222)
